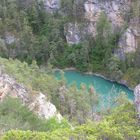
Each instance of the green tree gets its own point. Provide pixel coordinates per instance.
(113, 68)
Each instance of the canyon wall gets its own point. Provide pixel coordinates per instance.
(116, 11)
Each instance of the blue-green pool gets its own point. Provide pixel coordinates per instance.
(104, 88)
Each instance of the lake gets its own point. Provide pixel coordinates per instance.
(107, 90)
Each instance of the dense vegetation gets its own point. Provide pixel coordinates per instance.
(33, 42)
(13, 115)
(76, 108)
(112, 127)
(40, 36)
(42, 79)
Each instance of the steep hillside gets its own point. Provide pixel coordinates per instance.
(37, 36)
(99, 36)
(36, 102)
(73, 103)
(113, 127)
(38, 89)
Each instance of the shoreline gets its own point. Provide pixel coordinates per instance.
(95, 74)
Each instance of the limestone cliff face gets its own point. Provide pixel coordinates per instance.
(137, 99)
(72, 33)
(116, 12)
(114, 9)
(37, 103)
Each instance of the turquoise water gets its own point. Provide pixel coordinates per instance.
(104, 88)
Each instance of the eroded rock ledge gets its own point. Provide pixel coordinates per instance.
(37, 102)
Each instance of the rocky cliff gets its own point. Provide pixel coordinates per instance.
(117, 12)
(36, 102)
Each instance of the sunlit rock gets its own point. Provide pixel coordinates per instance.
(113, 10)
(44, 108)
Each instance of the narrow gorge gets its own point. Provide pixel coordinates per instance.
(69, 70)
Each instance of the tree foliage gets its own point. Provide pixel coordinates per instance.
(113, 127)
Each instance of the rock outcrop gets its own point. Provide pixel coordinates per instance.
(114, 9)
(9, 38)
(72, 33)
(128, 41)
(116, 12)
(37, 102)
(52, 5)
(137, 99)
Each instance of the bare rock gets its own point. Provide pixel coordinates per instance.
(44, 108)
(113, 10)
(72, 33)
(137, 98)
(128, 41)
(52, 5)
(37, 103)
(9, 38)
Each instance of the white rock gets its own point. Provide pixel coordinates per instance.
(115, 6)
(137, 98)
(45, 108)
(128, 41)
(9, 38)
(37, 103)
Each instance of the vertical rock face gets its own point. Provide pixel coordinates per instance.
(37, 103)
(114, 9)
(44, 108)
(137, 98)
(52, 5)
(128, 41)
(92, 10)
(10, 38)
(72, 33)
